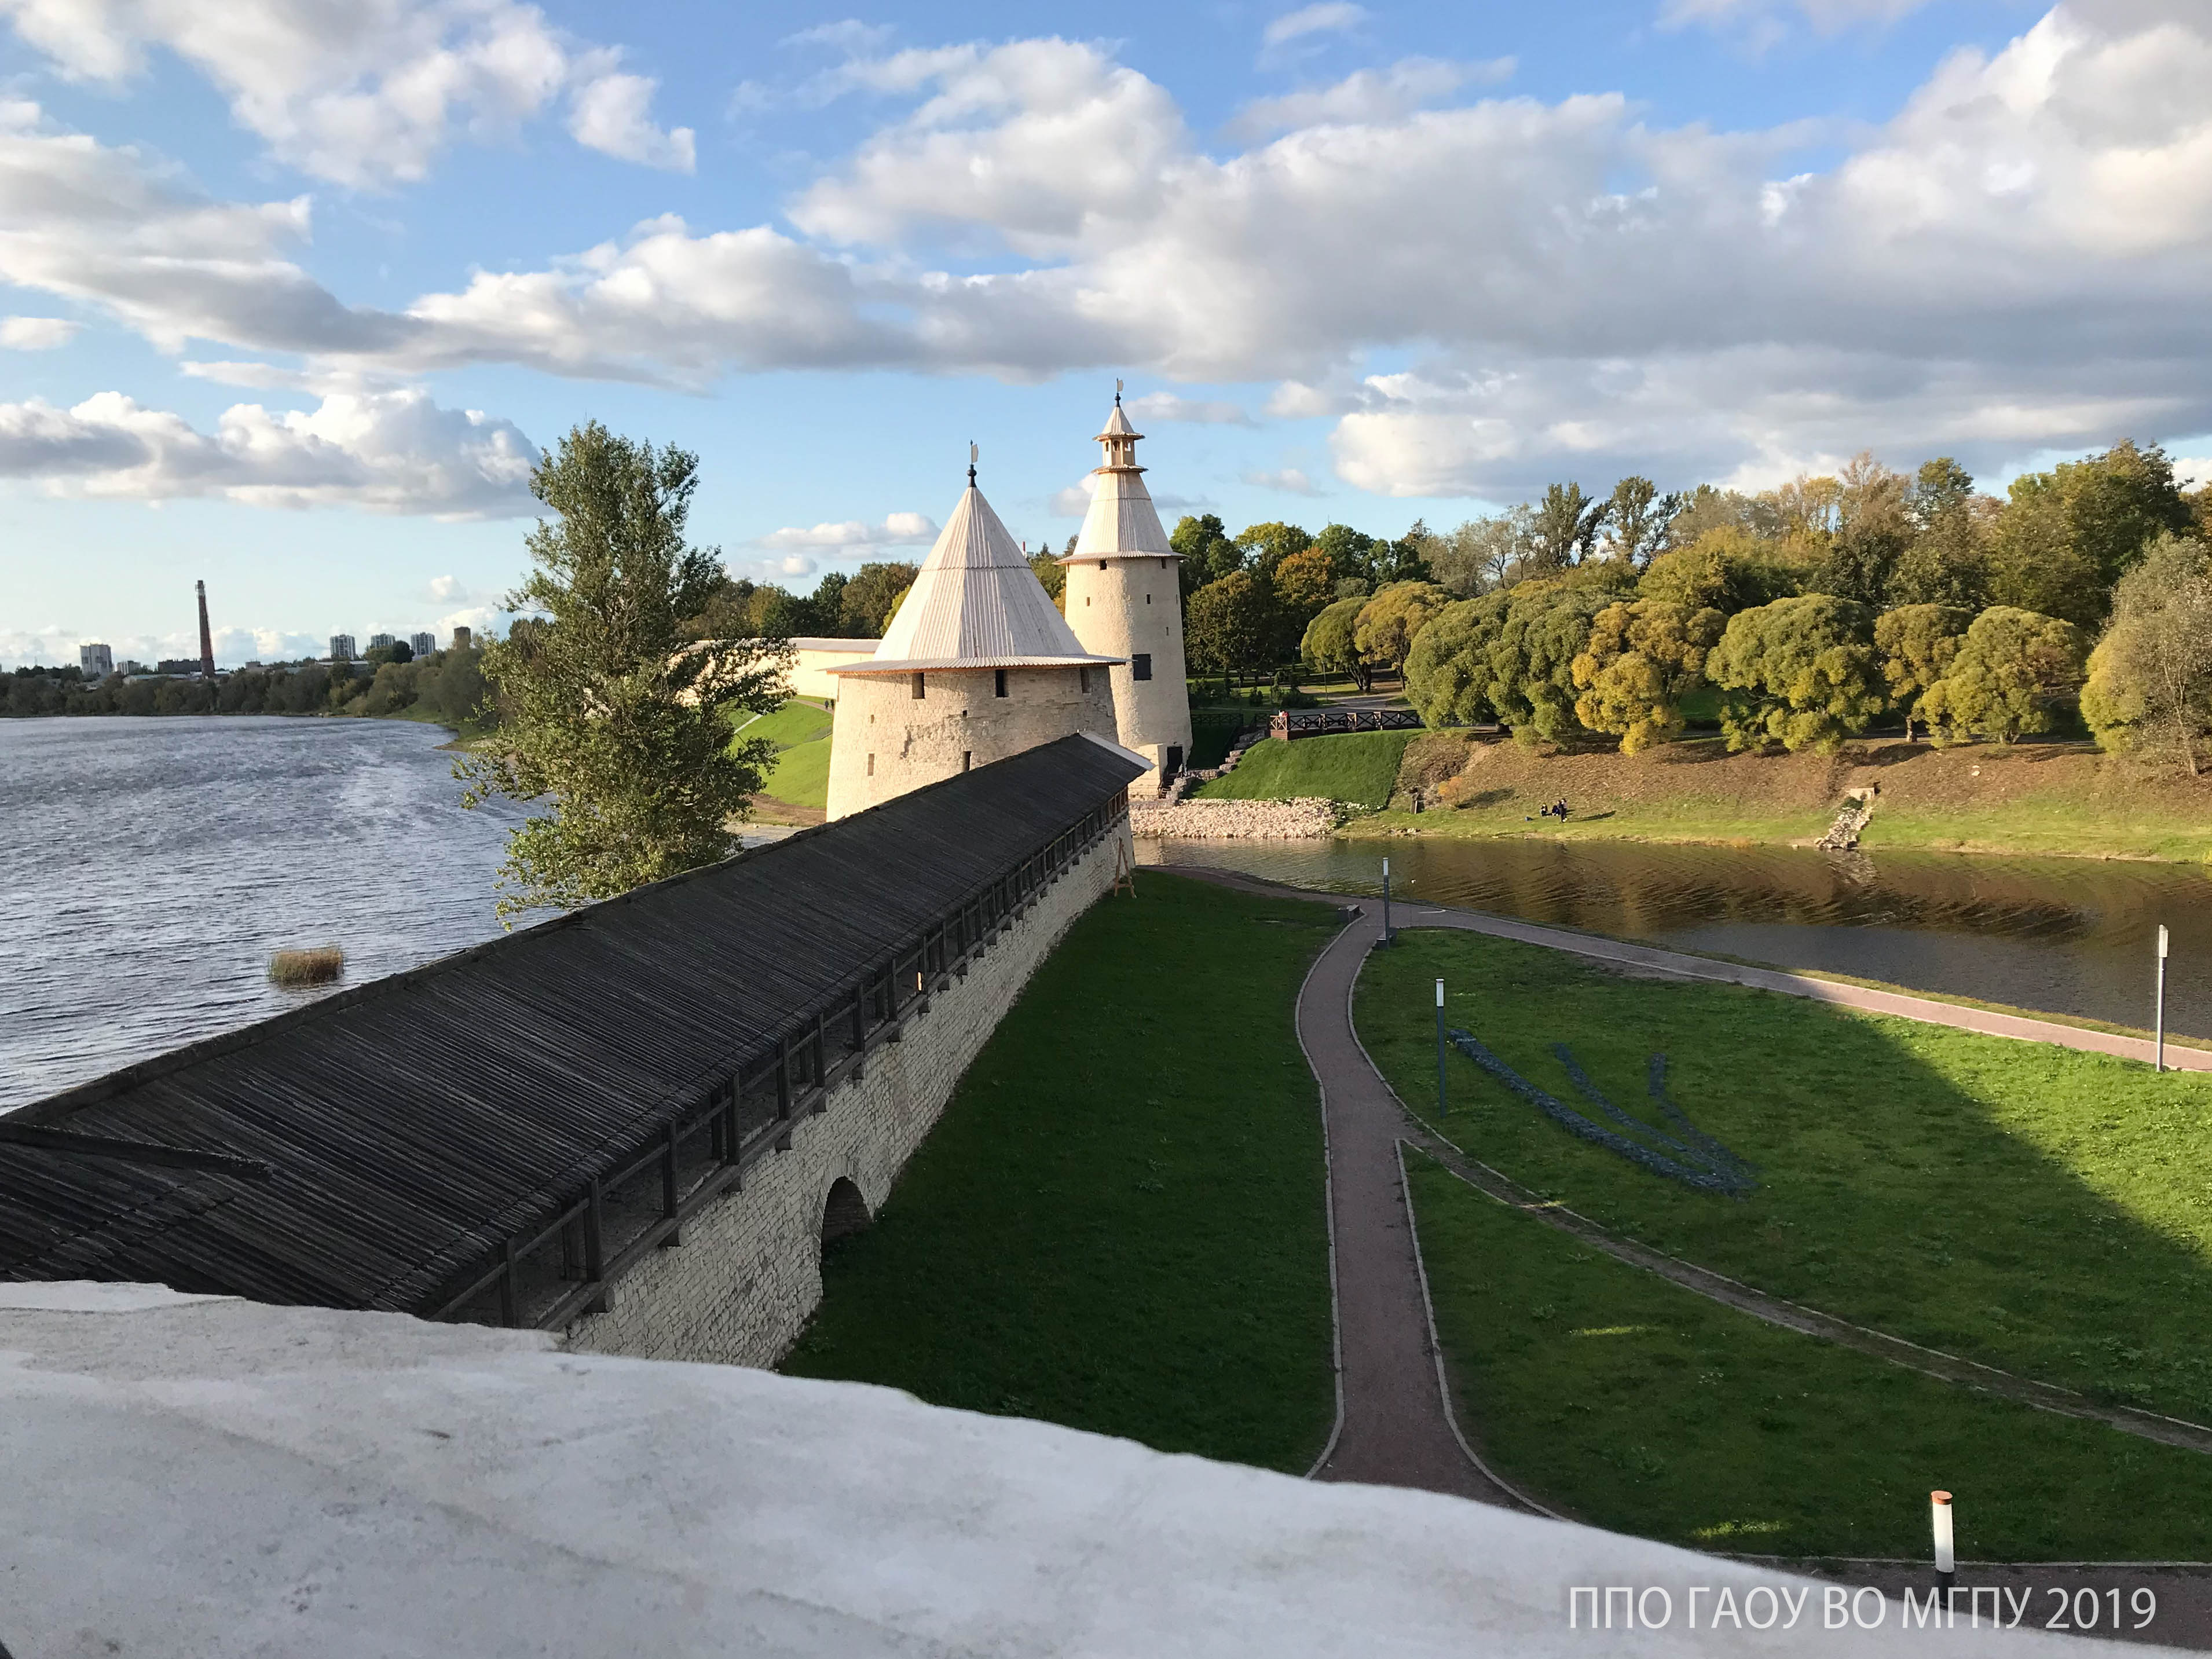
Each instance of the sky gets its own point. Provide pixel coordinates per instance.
(293, 294)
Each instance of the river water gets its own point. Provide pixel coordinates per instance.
(151, 865)
(2066, 935)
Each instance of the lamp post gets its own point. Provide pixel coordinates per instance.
(1388, 934)
(1440, 1048)
(2158, 1051)
(1939, 1521)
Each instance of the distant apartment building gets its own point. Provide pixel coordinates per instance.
(380, 642)
(342, 648)
(462, 639)
(422, 644)
(94, 662)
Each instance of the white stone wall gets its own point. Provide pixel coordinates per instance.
(748, 1274)
(1135, 604)
(915, 741)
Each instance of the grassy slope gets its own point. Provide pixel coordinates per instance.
(1641, 1407)
(801, 776)
(2045, 798)
(1119, 1223)
(2035, 1208)
(796, 722)
(1359, 767)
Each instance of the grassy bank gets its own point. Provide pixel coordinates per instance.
(800, 775)
(1360, 768)
(2050, 799)
(2038, 1209)
(1118, 1225)
(1636, 1405)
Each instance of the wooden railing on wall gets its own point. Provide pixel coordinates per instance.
(1315, 722)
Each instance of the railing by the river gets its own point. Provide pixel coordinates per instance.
(1315, 722)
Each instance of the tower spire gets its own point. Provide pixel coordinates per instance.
(973, 454)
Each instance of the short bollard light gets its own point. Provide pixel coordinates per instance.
(1388, 937)
(1440, 1048)
(2158, 1042)
(1939, 1522)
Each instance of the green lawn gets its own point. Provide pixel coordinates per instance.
(1638, 1405)
(2035, 1208)
(1355, 767)
(797, 722)
(801, 775)
(1119, 1223)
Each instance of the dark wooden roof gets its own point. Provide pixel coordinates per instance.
(410, 1124)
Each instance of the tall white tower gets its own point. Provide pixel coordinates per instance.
(1125, 600)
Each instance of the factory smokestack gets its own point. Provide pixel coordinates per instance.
(207, 640)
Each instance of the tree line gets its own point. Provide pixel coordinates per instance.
(445, 685)
(1812, 610)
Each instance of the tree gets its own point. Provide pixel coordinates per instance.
(866, 606)
(1800, 672)
(1206, 553)
(1917, 644)
(1448, 671)
(1484, 553)
(1051, 575)
(1386, 624)
(1728, 570)
(1267, 545)
(1947, 560)
(2007, 670)
(1640, 660)
(1230, 627)
(1304, 584)
(1566, 523)
(1872, 531)
(608, 711)
(2066, 536)
(1635, 519)
(2150, 690)
(1329, 642)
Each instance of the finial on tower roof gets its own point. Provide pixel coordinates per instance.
(973, 455)
(1117, 394)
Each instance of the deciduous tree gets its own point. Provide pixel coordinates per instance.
(608, 712)
(1918, 643)
(2003, 678)
(1229, 627)
(1205, 552)
(1639, 661)
(1387, 623)
(1329, 642)
(1800, 672)
(2066, 536)
(2150, 691)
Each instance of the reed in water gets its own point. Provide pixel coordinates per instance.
(324, 964)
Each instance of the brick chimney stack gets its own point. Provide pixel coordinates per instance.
(207, 640)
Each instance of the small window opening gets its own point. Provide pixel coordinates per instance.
(999, 683)
(872, 766)
(967, 759)
(917, 685)
(1140, 666)
(1102, 564)
(1083, 679)
(1148, 599)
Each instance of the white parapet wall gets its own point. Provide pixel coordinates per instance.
(748, 1273)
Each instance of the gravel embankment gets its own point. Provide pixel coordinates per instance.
(1237, 820)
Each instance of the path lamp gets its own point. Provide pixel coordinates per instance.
(1939, 1521)
(1388, 932)
(2158, 1049)
(1440, 1048)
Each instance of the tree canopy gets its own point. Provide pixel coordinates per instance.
(1800, 672)
(2150, 690)
(1640, 660)
(2003, 675)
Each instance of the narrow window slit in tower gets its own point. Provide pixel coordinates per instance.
(872, 766)
(999, 683)
(967, 759)
(917, 684)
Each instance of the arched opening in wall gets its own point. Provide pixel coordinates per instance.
(844, 1212)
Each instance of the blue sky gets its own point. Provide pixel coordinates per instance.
(293, 292)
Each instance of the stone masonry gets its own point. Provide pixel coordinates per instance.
(748, 1274)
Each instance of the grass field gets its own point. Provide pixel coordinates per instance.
(2038, 1209)
(1119, 1223)
(1360, 768)
(800, 731)
(797, 722)
(2029, 799)
(1636, 1405)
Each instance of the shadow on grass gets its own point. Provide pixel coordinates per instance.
(1119, 1223)
(2037, 1209)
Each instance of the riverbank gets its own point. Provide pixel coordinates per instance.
(2032, 799)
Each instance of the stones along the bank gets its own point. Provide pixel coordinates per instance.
(1307, 818)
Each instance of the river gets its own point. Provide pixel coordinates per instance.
(2065, 936)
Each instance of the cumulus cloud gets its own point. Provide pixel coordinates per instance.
(389, 453)
(854, 535)
(1368, 96)
(366, 93)
(35, 333)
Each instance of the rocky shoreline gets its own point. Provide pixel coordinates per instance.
(1305, 819)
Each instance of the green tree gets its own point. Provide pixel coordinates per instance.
(1872, 532)
(1728, 570)
(1800, 672)
(1448, 671)
(1329, 643)
(1206, 553)
(608, 711)
(1635, 521)
(2150, 691)
(1231, 625)
(865, 606)
(1267, 545)
(1304, 584)
(1530, 657)
(2007, 670)
(2066, 536)
(1948, 560)
(1641, 659)
(1388, 623)
(1483, 554)
(1918, 643)
(1051, 575)
(1567, 525)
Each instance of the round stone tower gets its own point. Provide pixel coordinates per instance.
(976, 666)
(1125, 601)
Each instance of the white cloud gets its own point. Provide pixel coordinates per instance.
(1329, 17)
(35, 333)
(1763, 21)
(389, 453)
(1291, 480)
(854, 535)
(612, 113)
(1166, 406)
(446, 589)
(1074, 502)
(1368, 95)
(365, 94)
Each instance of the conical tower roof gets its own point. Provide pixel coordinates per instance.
(976, 604)
(1122, 522)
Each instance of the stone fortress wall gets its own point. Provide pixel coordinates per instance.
(885, 741)
(748, 1274)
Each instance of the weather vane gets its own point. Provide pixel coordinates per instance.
(1117, 394)
(973, 454)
